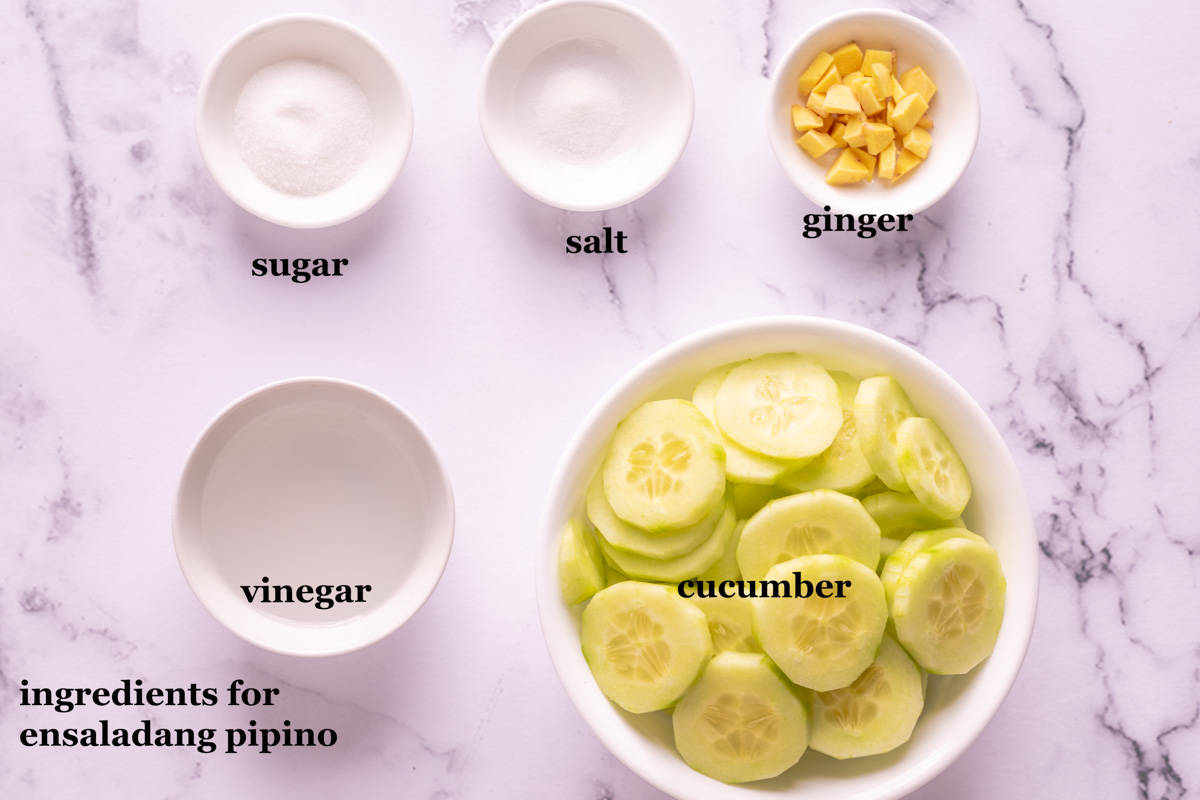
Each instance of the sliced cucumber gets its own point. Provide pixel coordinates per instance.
(741, 721)
(886, 548)
(932, 468)
(612, 575)
(666, 467)
(822, 643)
(894, 566)
(580, 567)
(645, 644)
(623, 536)
(784, 406)
(726, 567)
(900, 514)
(741, 465)
(842, 466)
(879, 408)
(949, 605)
(730, 622)
(874, 487)
(805, 524)
(673, 570)
(748, 498)
(873, 715)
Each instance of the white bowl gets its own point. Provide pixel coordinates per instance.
(564, 38)
(954, 111)
(313, 481)
(957, 708)
(317, 38)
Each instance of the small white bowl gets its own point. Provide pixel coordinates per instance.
(954, 111)
(644, 70)
(957, 708)
(313, 481)
(316, 38)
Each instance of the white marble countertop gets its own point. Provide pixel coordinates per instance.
(1058, 283)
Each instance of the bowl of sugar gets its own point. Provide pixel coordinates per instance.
(585, 104)
(304, 120)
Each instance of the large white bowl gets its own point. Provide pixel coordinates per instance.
(957, 708)
(317, 38)
(610, 36)
(313, 481)
(954, 111)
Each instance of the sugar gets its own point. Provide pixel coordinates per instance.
(303, 127)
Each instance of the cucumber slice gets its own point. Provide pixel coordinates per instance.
(822, 643)
(879, 408)
(894, 566)
(749, 498)
(665, 468)
(580, 568)
(899, 514)
(741, 721)
(873, 715)
(741, 465)
(726, 567)
(843, 466)
(730, 622)
(886, 548)
(784, 406)
(624, 536)
(932, 468)
(645, 644)
(949, 605)
(806, 524)
(673, 570)
(874, 487)
(612, 575)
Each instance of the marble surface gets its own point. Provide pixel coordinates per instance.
(1057, 282)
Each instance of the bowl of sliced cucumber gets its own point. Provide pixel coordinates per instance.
(787, 556)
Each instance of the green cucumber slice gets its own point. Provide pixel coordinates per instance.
(932, 468)
(726, 567)
(741, 721)
(886, 548)
(822, 521)
(749, 498)
(580, 567)
(741, 465)
(894, 566)
(949, 605)
(730, 622)
(612, 575)
(873, 715)
(900, 514)
(673, 570)
(842, 467)
(879, 408)
(624, 536)
(822, 643)
(874, 487)
(645, 644)
(665, 468)
(783, 405)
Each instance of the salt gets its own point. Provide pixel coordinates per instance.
(303, 127)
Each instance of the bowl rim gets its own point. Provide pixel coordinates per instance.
(891, 16)
(489, 127)
(550, 603)
(438, 472)
(402, 147)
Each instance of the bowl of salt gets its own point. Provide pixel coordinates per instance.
(585, 104)
(304, 120)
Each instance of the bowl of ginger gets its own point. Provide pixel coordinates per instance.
(873, 111)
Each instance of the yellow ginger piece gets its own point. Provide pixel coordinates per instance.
(816, 103)
(915, 80)
(814, 72)
(866, 159)
(841, 100)
(885, 57)
(907, 112)
(864, 90)
(830, 77)
(897, 89)
(881, 77)
(918, 141)
(855, 135)
(804, 119)
(887, 162)
(816, 144)
(905, 162)
(925, 122)
(850, 76)
(848, 58)
(880, 136)
(846, 169)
